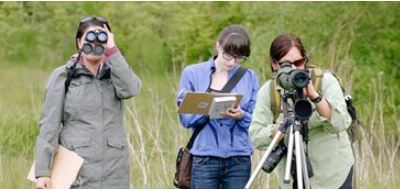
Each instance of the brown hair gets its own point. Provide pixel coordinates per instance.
(283, 43)
(84, 25)
(235, 41)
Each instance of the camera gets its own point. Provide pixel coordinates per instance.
(289, 78)
(275, 157)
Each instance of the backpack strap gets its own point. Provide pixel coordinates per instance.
(275, 99)
(316, 77)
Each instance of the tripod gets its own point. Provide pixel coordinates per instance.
(295, 120)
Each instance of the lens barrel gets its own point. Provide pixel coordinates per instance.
(302, 109)
(275, 157)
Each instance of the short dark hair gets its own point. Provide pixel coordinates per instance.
(282, 45)
(83, 26)
(235, 40)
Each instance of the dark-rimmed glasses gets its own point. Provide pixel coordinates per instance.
(296, 63)
(229, 57)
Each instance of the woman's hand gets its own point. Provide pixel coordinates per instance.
(43, 183)
(234, 113)
(310, 92)
(110, 41)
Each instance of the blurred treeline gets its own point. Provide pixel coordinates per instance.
(157, 36)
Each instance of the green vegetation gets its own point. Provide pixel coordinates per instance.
(357, 40)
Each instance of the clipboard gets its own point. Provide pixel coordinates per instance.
(64, 171)
(200, 102)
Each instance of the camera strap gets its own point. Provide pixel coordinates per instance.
(227, 88)
(71, 72)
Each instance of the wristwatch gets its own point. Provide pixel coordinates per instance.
(317, 99)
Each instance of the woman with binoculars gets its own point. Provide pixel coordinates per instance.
(329, 147)
(83, 110)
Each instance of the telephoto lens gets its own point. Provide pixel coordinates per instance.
(275, 157)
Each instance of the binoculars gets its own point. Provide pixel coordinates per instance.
(92, 36)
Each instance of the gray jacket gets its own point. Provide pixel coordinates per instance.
(88, 120)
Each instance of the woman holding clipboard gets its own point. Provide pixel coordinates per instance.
(221, 151)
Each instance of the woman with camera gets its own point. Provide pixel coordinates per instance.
(328, 147)
(221, 152)
(83, 111)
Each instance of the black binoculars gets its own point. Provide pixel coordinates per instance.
(92, 36)
(100, 36)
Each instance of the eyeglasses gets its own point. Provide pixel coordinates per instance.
(91, 18)
(296, 63)
(229, 57)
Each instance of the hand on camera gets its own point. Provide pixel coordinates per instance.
(43, 183)
(234, 113)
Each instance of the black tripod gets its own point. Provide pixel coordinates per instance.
(295, 120)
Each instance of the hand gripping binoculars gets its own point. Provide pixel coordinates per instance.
(95, 36)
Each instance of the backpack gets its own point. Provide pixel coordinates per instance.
(316, 76)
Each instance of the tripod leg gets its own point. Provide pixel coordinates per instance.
(289, 154)
(298, 160)
(304, 164)
(265, 156)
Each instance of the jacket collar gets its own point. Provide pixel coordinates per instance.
(82, 70)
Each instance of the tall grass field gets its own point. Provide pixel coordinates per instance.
(353, 39)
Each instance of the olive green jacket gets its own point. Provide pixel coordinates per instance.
(88, 120)
(329, 147)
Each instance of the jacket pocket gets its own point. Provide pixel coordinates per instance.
(80, 143)
(119, 143)
(81, 146)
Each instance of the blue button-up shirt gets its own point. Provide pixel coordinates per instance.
(220, 137)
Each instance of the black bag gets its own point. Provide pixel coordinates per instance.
(183, 172)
